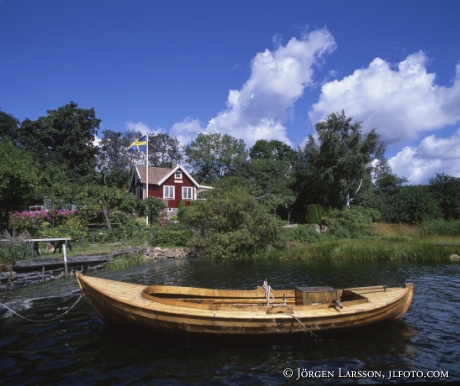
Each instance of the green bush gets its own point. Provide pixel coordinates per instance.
(315, 214)
(230, 223)
(352, 222)
(168, 237)
(303, 234)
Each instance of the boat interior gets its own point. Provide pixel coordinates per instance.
(271, 300)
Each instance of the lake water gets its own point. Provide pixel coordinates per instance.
(80, 349)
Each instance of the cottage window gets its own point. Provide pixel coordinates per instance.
(178, 175)
(168, 192)
(187, 193)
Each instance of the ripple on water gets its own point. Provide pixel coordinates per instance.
(81, 349)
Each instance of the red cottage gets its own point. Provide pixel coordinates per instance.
(171, 185)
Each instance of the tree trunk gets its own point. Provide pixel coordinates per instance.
(106, 215)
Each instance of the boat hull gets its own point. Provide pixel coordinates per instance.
(124, 303)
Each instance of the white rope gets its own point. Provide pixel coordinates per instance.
(268, 294)
(41, 321)
(304, 326)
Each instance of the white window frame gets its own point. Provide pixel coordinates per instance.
(184, 189)
(169, 189)
(178, 175)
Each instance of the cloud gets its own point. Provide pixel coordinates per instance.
(186, 130)
(401, 103)
(142, 127)
(433, 155)
(266, 101)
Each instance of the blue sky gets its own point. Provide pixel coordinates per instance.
(252, 69)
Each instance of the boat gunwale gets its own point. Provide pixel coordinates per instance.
(165, 308)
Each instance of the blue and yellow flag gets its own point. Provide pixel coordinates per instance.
(139, 144)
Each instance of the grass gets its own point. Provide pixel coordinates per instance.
(129, 260)
(392, 242)
(370, 249)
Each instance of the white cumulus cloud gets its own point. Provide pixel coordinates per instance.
(140, 126)
(265, 102)
(401, 102)
(433, 155)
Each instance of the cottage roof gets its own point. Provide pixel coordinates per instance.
(155, 174)
(158, 176)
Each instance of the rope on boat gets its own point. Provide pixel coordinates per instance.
(303, 325)
(41, 321)
(268, 294)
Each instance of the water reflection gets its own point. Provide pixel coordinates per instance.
(82, 349)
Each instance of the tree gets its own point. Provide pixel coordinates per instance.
(164, 151)
(271, 167)
(106, 199)
(9, 126)
(447, 190)
(272, 150)
(415, 204)
(114, 160)
(151, 207)
(230, 222)
(333, 172)
(64, 138)
(19, 179)
(212, 156)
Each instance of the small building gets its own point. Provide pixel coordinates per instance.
(171, 185)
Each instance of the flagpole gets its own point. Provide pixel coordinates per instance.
(147, 179)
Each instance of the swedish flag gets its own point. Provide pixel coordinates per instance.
(139, 144)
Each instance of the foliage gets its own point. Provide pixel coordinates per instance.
(114, 160)
(414, 204)
(332, 172)
(356, 221)
(19, 178)
(214, 155)
(15, 247)
(170, 237)
(8, 127)
(272, 150)
(164, 151)
(368, 250)
(151, 206)
(302, 234)
(65, 138)
(229, 223)
(446, 189)
(441, 227)
(315, 214)
(105, 199)
(129, 260)
(20, 221)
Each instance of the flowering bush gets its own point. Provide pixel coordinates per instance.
(20, 221)
(28, 220)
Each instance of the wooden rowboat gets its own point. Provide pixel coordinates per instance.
(240, 312)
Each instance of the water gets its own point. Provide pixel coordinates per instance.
(81, 349)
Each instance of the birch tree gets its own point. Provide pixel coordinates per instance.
(335, 167)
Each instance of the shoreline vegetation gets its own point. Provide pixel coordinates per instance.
(392, 242)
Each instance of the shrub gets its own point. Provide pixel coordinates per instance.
(352, 222)
(303, 234)
(230, 223)
(15, 247)
(315, 214)
(169, 237)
